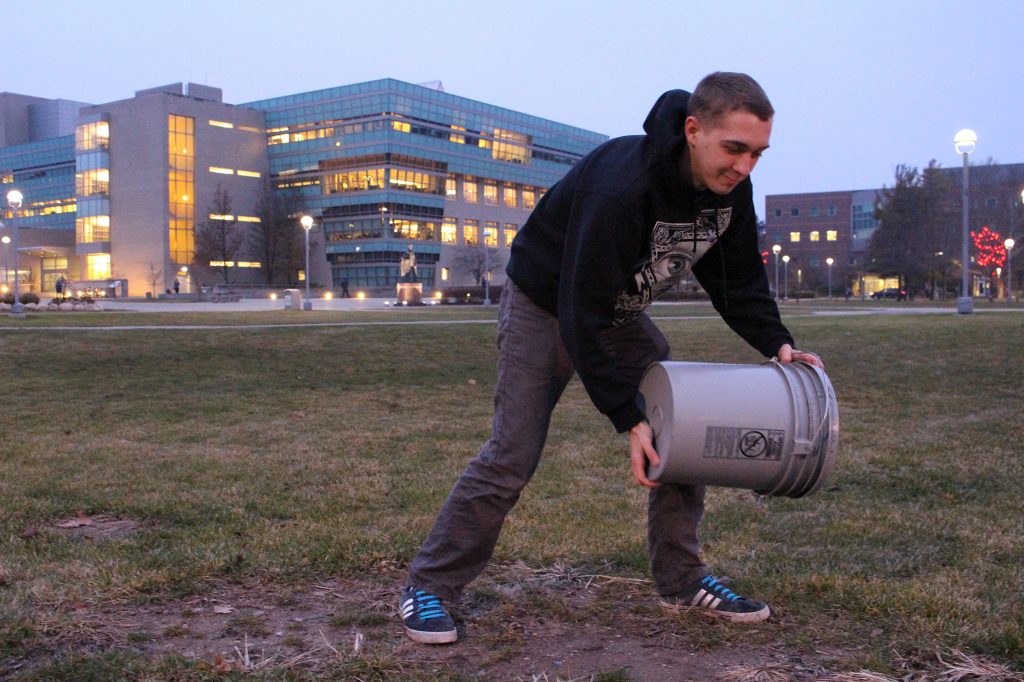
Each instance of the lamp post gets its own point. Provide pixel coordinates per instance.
(307, 225)
(777, 249)
(1008, 245)
(830, 261)
(785, 283)
(7, 269)
(14, 199)
(964, 142)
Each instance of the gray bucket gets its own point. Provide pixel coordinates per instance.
(772, 428)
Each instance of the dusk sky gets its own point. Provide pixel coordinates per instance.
(858, 87)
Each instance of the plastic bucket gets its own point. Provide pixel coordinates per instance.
(771, 428)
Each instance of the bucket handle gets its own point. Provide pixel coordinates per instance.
(803, 447)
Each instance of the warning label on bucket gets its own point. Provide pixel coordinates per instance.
(732, 442)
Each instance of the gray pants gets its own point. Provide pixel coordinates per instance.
(533, 370)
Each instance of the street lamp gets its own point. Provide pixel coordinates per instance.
(7, 270)
(1008, 245)
(830, 261)
(307, 225)
(785, 284)
(777, 249)
(14, 199)
(964, 142)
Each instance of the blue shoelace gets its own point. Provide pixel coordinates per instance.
(718, 589)
(428, 606)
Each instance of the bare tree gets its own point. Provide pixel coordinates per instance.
(276, 241)
(155, 276)
(476, 259)
(219, 240)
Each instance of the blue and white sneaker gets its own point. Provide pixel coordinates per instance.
(425, 619)
(717, 600)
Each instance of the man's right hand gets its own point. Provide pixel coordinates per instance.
(641, 449)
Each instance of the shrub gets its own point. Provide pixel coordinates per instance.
(7, 298)
(28, 297)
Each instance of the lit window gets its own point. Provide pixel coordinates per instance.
(97, 266)
(471, 232)
(490, 194)
(510, 233)
(815, 236)
(458, 138)
(221, 124)
(250, 129)
(248, 219)
(509, 196)
(221, 171)
(832, 235)
(794, 236)
(470, 190)
(529, 199)
(449, 231)
(449, 186)
(444, 274)
(401, 126)
(249, 174)
(226, 217)
(491, 233)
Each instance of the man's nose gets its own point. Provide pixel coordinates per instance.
(745, 164)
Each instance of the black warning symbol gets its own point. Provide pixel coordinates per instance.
(753, 444)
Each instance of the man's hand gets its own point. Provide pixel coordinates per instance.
(789, 354)
(641, 449)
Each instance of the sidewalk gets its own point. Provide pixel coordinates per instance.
(244, 305)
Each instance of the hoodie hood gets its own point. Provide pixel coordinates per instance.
(664, 125)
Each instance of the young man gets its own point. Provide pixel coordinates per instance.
(628, 222)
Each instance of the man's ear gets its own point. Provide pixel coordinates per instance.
(690, 128)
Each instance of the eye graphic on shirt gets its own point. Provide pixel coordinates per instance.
(672, 264)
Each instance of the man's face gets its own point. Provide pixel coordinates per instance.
(723, 155)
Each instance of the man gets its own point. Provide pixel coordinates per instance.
(628, 222)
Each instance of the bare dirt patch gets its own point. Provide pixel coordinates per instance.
(521, 628)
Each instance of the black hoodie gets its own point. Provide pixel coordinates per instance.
(622, 227)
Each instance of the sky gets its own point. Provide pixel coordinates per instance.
(859, 87)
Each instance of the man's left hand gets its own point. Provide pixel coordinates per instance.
(789, 354)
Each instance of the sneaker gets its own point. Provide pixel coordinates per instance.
(718, 600)
(425, 619)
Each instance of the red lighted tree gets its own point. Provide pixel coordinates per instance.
(991, 252)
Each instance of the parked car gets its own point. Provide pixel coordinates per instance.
(892, 292)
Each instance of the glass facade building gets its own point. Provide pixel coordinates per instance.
(385, 164)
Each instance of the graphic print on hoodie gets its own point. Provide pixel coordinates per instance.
(675, 247)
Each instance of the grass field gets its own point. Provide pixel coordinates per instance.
(288, 456)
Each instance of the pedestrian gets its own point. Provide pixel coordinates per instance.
(60, 288)
(344, 288)
(177, 286)
(626, 224)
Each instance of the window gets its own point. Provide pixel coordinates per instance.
(490, 193)
(814, 212)
(90, 182)
(249, 174)
(794, 212)
(470, 190)
(221, 171)
(90, 229)
(794, 236)
(449, 186)
(97, 266)
(449, 231)
(510, 233)
(221, 124)
(471, 232)
(832, 235)
(814, 236)
(444, 274)
(832, 210)
(510, 146)
(778, 213)
(491, 233)
(181, 157)
(509, 196)
(529, 199)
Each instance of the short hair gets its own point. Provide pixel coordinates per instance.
(723, 92)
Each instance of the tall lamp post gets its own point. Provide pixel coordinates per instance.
(964, 142)
(1008, 244)
(777, 249)
(829, 261)
(7, 266)
(307, 225)
(785, 284)
(14, 199)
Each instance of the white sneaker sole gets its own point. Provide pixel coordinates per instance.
(432, 637)
(731, 616)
